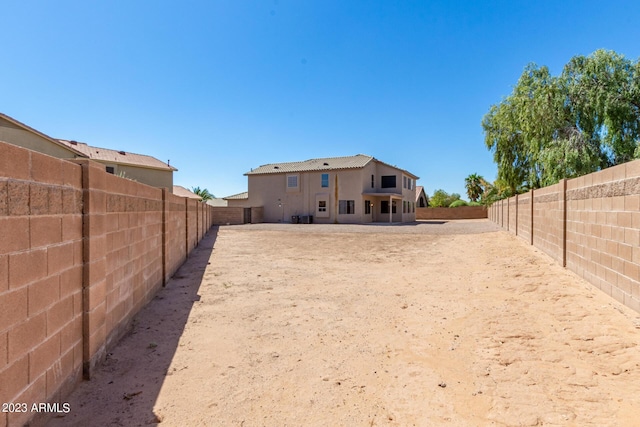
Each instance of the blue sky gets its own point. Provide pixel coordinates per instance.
(220, 87)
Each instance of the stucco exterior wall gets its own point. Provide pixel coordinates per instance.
(237, 203)
(281, 203)
(16, 135)
(152, 177)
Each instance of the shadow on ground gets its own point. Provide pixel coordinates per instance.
(129, 381)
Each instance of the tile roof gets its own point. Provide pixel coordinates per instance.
(239, 196)
(118, 157)
(330, 163)
(181, 191)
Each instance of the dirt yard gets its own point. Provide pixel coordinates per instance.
(416, 325)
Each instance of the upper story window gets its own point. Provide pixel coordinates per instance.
(407, 182)
(388, 181)
(292, 182)
(325, 180)
(373, 181)
(111, 169)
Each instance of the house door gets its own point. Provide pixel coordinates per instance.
(247, 215)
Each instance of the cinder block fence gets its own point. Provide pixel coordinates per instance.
(590, 225)
(81, 252)
(461, 212)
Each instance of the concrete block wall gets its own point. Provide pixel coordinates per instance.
(228, 215)
(134, 253)
(589, 224)
(176, 233)
(548, 211)
(500, 213)
(192, 223)
(81, 252)
(41, 277)
(512, 215)
(603, 231)
(523, 213)
(462, 212)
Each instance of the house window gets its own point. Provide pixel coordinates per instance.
(346, 207)
(111, 169)
(367, 207)
(325, 180)
(292, 181)
(410, 183)
(388, 181)
(373, 181)
(322, 205)
(404, 182)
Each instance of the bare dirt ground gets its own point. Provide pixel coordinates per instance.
(427, 325)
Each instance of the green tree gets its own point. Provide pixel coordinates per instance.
(442, 199)
(551, 128)
(603, 92)
(474, 185)
(203, 193)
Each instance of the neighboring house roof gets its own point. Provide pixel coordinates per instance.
(42, 135)
(419, 191)
(313, 165)
(181, 191)
(239, 196)
(107, 155)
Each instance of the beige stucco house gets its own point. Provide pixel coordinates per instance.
(217, 202)
(181, 191)
(422, 200)
(240, 200)
(17, 133)
(354, 189)
(138, 167)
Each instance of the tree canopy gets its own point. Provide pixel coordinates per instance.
(474, 184)
(442, 199)
(555, 127)
(203, 193)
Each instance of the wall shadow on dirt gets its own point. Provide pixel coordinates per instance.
(126, 386)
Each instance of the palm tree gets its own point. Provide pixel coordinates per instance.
(474, 184)
(203, 193)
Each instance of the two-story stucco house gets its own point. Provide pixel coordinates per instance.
(354, 189)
